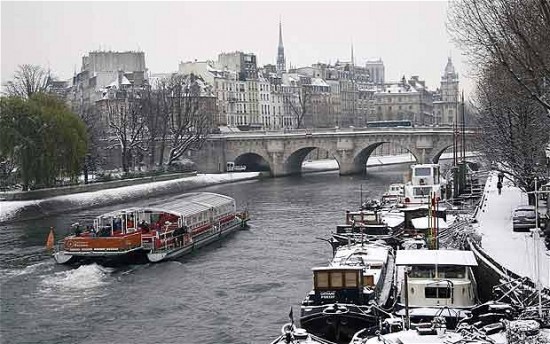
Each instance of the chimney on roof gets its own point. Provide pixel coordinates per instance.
(120, 76)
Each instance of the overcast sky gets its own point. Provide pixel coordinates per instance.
(409, 36)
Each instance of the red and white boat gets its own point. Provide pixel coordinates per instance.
(158, 234)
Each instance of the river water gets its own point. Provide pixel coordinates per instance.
(236, 291)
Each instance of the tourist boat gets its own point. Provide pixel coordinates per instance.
(154, 233)
(350, 294)
(425, 185)
(435, 284)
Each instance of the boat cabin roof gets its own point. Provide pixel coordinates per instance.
(435, 257)
(424, 223)
(337, 268)
(190, 204)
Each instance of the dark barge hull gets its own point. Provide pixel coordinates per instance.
(337, 326)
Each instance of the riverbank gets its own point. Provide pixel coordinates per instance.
(516, 251)
(21, 210)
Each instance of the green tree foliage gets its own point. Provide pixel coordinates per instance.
(42, 138)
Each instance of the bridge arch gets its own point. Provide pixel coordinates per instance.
(253, 161)
(294, 160)
(438, 151)
(360, 159)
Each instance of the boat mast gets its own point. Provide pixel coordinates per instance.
(463, 131)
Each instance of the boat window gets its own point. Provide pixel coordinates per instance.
(422, 190)
(368, 280)
(351, 279)
(422, 171)
(451, 272)
(336, 279)
(369, 217)
(422, 272)
(322, 279)
(437, 292)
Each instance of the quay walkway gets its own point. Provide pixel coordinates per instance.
(517, 251)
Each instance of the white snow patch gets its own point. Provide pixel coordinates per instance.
(516, 251)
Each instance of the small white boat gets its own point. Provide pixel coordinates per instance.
(434, 284)
(394, 195)
(425, 185)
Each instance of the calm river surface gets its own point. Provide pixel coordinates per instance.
(239, 291)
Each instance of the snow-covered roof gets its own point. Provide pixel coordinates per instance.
(125, 81)
(319, 82)
(112, 84)
(339, 267)
(435, 257)
(425, 223)
(398, 88)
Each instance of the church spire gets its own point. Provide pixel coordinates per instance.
(280, 33)
(352, 59)
(281, 63)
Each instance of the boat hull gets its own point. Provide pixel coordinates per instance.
(135, 256)
(337, 324)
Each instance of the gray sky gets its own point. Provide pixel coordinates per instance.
(409, 36)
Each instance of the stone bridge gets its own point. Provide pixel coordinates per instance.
(283, 153)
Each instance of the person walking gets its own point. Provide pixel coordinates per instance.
(499, 187)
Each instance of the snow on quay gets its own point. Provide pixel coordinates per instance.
(11, 210)
(516, 251)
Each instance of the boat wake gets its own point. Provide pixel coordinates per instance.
(84, 277)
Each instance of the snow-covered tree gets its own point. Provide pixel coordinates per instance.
(190, 116)
(515, 34)
(514, 128)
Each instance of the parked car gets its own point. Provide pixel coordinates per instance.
(524, 218)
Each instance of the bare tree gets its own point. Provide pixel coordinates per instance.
(512, 33)
(126, 120)
(189, 119)
(300, 107)
(514, 129)
(91, 118)
(28, 80)
(157, 118)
